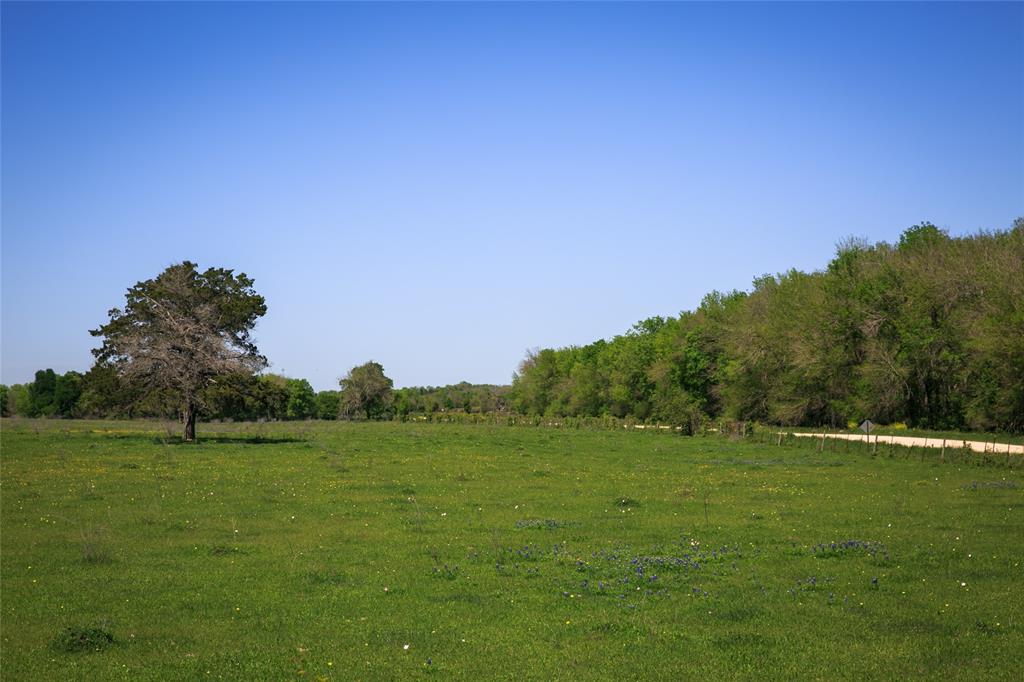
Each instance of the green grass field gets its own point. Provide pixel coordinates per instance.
(398, 551)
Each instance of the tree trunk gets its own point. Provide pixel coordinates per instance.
(190, 423)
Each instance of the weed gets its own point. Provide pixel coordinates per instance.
(94, 545)
(225, 550)
(324, 577)
(447, 572)
(990, 485)
(549, 524)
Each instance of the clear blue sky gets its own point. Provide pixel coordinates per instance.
(441, 187)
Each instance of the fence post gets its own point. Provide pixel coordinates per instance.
(942, 455)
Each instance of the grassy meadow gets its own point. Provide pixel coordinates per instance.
(383, 551)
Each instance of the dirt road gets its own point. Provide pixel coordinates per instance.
(975, 445)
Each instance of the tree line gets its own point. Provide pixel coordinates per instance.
(101, 393)
(928, 331)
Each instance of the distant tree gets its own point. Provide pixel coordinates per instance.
(301, 400)
(922, 236)
(181, 330)
(41, 394)
(366, 392)
(236, 396)
(18, 400)
(271, 399)
(464, 396)
(4, 407)
(534, 382)
(328, 403)
(105, 394)
(404, 400)
(66, 393)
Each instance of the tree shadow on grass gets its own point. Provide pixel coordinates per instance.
(223, 439)
(204, 439)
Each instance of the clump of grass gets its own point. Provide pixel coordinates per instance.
(447, 572)
(94, 545)
(169, 436)
(325, 577)
(982, 485)
(549, 524)
(225, 550)
(418, 521)
(626, 502)
(78, 639)
(829, 550)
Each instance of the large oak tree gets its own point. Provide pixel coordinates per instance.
(182, 330)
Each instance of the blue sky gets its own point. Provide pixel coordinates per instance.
(441, 187)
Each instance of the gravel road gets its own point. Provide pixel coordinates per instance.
(975, 445)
